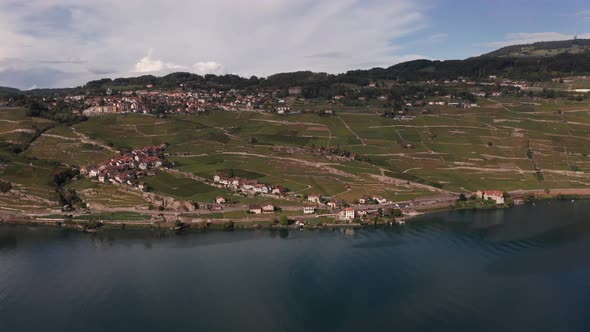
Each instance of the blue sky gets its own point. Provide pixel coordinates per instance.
(473, 27)
(58, 43)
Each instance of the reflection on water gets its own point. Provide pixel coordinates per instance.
(517, 269)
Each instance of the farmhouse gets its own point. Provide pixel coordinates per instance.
(494, 195)
(279, 190)
(380, 199)
(336, 204)
(315, 198)
(256, 209)
(92, 173)
(308, 209)
(103, 177)
(268, 208)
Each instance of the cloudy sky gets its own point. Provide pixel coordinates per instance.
(63, 43)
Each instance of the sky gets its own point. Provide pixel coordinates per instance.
(65, 43)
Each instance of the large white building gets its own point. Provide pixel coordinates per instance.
(494, 195)
(347, 214)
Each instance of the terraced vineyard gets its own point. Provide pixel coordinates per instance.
(506, 144)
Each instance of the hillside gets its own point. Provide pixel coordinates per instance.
(507, 143)
(6, 90)
(543, 49)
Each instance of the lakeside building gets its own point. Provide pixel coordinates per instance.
(494, 195)
(347, 214)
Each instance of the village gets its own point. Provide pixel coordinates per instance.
(185, 99)
(129, 168)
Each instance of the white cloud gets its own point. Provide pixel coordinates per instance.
(149, 65)
(259, 37)
(529, 38)
(209, 67)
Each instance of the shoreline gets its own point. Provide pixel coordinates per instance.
(18, 218)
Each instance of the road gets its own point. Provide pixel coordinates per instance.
(352, 131)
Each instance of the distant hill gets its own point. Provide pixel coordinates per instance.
(534, 62)
(543, 49)
(6, 90)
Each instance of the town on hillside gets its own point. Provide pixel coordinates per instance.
(129, 168)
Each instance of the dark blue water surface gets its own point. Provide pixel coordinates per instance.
(524, 269)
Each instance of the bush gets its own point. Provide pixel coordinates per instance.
(228, 226)
(5, 186)
(284, 220)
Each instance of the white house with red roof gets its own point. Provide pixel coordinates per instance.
(495, 195)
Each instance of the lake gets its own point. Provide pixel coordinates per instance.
(526, 268)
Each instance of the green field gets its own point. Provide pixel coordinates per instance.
(182, 188)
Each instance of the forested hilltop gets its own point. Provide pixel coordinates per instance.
(517, 68)
(535, 62)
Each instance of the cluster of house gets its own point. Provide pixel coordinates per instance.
(194, 100)
(175, 101)
(181, 100)
(248, 186)
(348, 213)
(129, 168)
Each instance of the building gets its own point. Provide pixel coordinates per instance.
(279, 190)
(336, 204)
(256, 209)
(308, 209)
(347, 214)
(494, 195)
(220, 200)
(295, 91)
(314, 198)
(380, 200)
(268, 208)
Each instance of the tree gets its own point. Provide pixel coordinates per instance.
(228, 226)
(5, 186)
(397, 213)
(462, 198)
(284, 220)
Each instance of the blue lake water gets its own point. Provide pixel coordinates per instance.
(521, 269)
